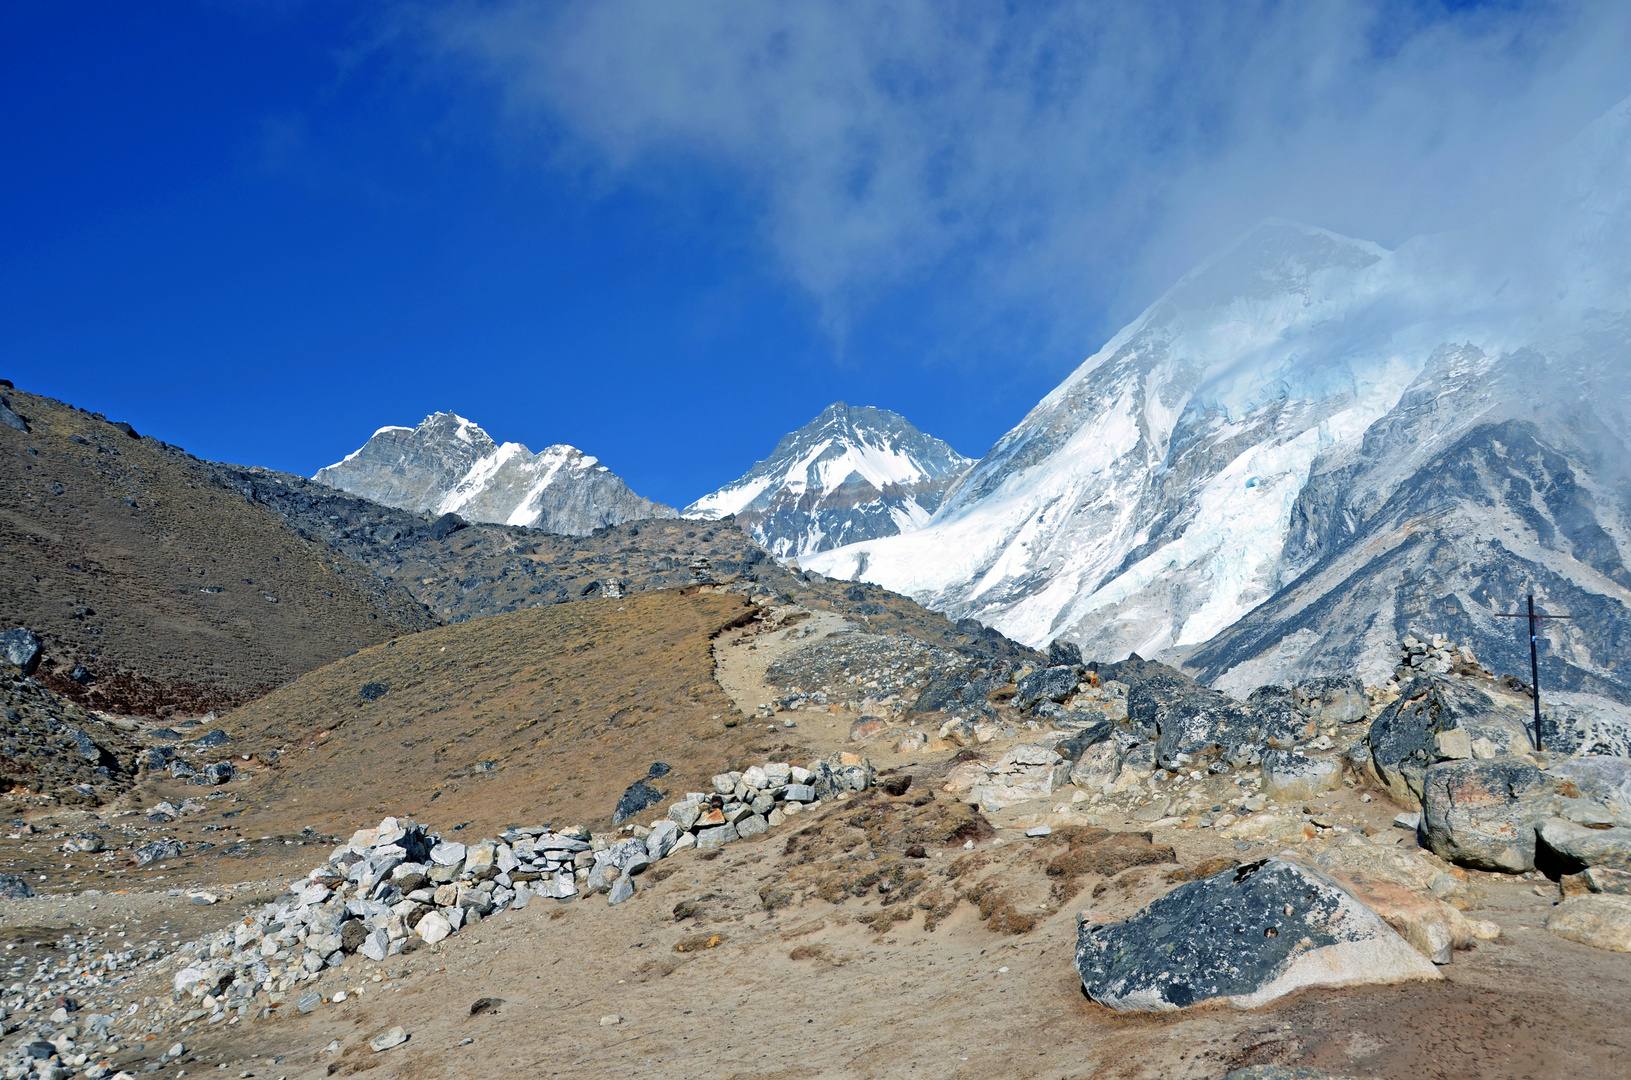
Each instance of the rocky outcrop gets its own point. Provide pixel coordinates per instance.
(1245, 937)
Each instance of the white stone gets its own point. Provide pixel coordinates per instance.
(433, 927)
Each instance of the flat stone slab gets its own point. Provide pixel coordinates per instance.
(1246, 936)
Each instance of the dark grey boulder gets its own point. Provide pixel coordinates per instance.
(638, 796)
(446, 525)
(13, 887)
(1332, 699)
(1246, 936)
(81, 675)
(9, 418)
(1483, 814)
(21, 648)
(1089, 734)
(1048, 684)
(1403, 737)
(1281, 724)
(220, 772)
(215, 738)
(157, 851)
(1192, 721)
(373, 691)
(1065, 653)
(180, 770)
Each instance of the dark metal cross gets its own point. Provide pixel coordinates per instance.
(1534, 660)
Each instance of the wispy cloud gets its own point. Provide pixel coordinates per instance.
(1068, 158)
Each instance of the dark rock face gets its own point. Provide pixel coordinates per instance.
(1061, 652)
(215, 738)
(1483, 814)
(21, 648)
(1049, 684)
(446, 525)
(1248, 935)
(638, 797)
(853, 473)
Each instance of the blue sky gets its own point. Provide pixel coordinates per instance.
(668, 233)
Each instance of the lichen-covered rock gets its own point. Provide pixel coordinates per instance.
(1483, 814)
(1048, 684)
(1246, 936)
(1403, 739)
(1332, 699)
(1290, 776)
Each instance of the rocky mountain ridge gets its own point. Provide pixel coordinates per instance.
(853, 473)
(449, 465)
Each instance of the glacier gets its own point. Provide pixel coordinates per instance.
(1311, 444)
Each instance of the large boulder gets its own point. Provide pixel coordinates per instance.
(636, 798)
(1292, 777)
(1097, 766)
(1192, 721)
(1568, 848)
(1246, 936)
(1483, 814)
(1331, 699)
(21, 648)
(1605, 780)
(1028, 771)
(1595, 919)
(1404, 741)
(1048, 684)
(1281, 724)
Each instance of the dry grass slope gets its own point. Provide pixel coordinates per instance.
(533, 716)
(109, 542)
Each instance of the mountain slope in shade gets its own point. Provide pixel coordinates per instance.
(853, 473)
(449, 465)
(1312, 444)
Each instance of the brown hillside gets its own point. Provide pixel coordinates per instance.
(543, 715)
(127, 557)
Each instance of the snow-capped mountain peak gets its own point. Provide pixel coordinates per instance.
(448, 464)
(852, 473)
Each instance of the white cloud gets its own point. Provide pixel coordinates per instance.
(1050, 155)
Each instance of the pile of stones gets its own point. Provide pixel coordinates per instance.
(56, 751)
(165, 756)
(749, 802)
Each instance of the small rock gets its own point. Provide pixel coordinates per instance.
(622, 889)
(395, 1037)
(433, 927)
(1039, 830)
(308, 1001)
(1409, 822)
(610, 1021)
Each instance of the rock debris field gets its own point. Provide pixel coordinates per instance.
(1317, 838)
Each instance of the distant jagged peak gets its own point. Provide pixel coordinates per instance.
(449, 464)
(851, 473)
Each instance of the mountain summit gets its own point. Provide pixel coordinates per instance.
(853, 473)
(1313, 445)
(449, 465)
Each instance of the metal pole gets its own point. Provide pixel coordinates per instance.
(1534, 668)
